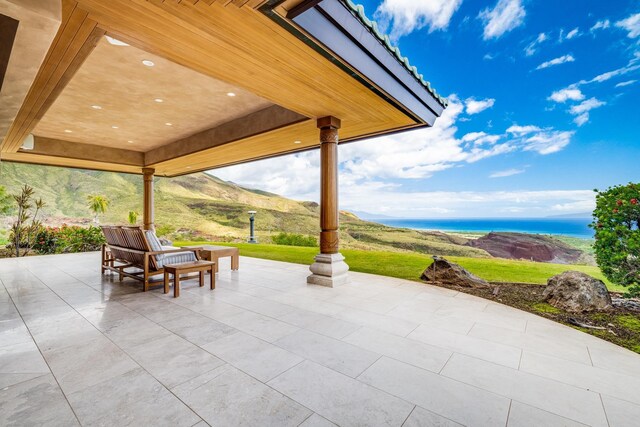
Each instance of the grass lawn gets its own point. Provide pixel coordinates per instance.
(410, 266)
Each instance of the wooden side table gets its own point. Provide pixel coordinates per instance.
(213, 253)
(187, 267)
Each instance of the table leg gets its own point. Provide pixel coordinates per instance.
(201, 274)
(235, 262)
(216, 262)
(213, 278)
(176, 285)
(166, 282)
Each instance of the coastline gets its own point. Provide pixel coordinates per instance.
(564, 227)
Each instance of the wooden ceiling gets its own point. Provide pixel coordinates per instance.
(201, 51)
(140, 107)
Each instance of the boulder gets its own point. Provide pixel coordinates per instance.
(444, 271)
(577, 292)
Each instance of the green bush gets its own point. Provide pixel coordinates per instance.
(68, 239)
(292, 239)
(616, 223)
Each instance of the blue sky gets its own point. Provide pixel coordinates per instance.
(543, 108)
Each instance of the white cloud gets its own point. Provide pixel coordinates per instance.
(586, 106)
(581, 111)
(504, 17)
(488, 57)
(505, 173)
(533, 46)
(547, 141)
(556, 61)
(573, 33)
(474, 106)
(565, 94)
(581, 119)
(601, 25)
(627, 83)
(631, 24)
(406, 16)
(522, 130)
(479, 138)
(465, 203)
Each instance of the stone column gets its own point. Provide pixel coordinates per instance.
(147, 214)
(329, 268)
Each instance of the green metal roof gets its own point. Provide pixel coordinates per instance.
(358, 11)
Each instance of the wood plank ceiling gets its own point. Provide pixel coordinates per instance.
(205, 49)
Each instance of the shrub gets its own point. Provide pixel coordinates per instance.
(292, 239)
(616, 220)
(68, 239)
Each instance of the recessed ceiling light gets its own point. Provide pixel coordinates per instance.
(130, 141)
(67, 131)
(159, 100)
(148, 63)
(114, 127)
(188, 167)
(297, 142)
(231, 94)
(168, 124)
(96, 107)
(115, 42)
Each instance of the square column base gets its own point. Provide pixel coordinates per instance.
(329, 270)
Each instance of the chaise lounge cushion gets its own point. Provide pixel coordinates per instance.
(162, 259)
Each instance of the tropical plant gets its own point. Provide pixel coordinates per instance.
(133, 217)
(616, 221)
(27, 225)
(97, 204)
(68, 238)
(5, 201)
(292, 239)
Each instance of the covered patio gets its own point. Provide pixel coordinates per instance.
(266, 349)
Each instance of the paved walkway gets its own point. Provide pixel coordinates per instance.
(265, 349)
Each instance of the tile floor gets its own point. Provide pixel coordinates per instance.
(265, 349)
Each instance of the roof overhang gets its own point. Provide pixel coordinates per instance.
(290, 62)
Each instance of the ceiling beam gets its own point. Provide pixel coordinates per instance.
(73, 150)
(74, 41)
(265, 120)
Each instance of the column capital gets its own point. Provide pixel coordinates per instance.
(148, 171)
(328, 122)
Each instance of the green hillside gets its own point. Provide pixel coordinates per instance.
(203, 207)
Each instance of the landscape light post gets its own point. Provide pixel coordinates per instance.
(252, 219)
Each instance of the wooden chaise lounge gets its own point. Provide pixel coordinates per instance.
(137, 253)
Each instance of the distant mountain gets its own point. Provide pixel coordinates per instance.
(370, 216)
(201, 206)
(572, 215)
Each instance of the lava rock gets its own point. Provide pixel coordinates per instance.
(444, 271)
(632, 304)
(577, 292)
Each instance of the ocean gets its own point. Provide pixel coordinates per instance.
(572, 227)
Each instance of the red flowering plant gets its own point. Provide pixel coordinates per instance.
(616, 221)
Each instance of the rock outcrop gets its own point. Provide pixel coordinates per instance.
(444, 271)
(577, 292)
(528, 246)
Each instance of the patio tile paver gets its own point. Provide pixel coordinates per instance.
(264, 348)
(38, 401)
(254, 356)
(337, 355)
(452, 399)
(621, 413)
(522, 415)
(316, 420)
(550, 395)
(133, 398)
(339, 398)
(493, 352)
(173, 360)
(406, 350)
(421, 417)
(228, 397)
